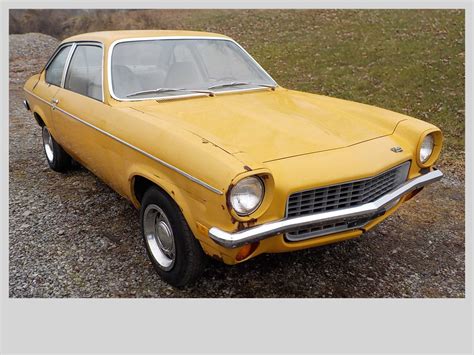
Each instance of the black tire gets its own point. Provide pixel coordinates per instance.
(57, 158)
(189, 258)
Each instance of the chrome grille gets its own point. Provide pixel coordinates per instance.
(345, 195)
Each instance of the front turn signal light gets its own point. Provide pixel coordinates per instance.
(246, 251)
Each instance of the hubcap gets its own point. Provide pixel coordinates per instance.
(48, 144)
(159, 236)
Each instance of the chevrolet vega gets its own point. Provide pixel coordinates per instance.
(220, 159)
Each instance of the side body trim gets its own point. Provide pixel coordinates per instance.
(158, 160)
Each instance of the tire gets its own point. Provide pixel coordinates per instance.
(57, 158)
(171, 246)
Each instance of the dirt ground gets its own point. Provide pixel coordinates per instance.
(72, 236)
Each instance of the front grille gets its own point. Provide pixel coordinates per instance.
(345, 195)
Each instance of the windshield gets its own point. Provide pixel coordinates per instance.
(170, 67)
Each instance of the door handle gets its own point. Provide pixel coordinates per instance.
(54, 103)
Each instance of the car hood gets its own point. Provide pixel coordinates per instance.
(270, 125)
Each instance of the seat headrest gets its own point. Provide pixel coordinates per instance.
(182, 74)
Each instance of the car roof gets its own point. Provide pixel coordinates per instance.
(107, 37)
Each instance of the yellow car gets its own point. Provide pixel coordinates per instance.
(220, 159)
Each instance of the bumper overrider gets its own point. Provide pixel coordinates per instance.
(369, 210)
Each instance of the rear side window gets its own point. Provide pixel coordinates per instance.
(84, 74)
(54, 71)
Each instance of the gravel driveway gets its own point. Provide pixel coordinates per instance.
(72, 236)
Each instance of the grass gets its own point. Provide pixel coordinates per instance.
(409, 61)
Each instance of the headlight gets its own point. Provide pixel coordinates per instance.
(426, 148)
(247, 195)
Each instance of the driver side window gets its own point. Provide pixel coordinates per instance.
(84, 74)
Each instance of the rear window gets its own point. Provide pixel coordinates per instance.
(54, 71)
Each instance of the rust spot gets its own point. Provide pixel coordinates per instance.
(172, 192)
(244, 225)
(248, 168)
(228, 204)
(252, 222)
(218, 257)
(227, 197)
(223, 207)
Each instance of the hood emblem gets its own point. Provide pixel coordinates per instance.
(396, 149)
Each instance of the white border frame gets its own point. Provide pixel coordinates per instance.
(238, 325)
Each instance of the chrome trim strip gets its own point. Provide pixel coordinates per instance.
(39, 98)
(66, 64)
(158, 160)
(372, 209)
(139, 39)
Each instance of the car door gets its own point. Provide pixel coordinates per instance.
(50, 82)
(80, 113)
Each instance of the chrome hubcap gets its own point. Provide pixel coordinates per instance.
(159, 236)
(48, 144)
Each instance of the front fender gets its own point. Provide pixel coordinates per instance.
(410, 134)
(199, 211)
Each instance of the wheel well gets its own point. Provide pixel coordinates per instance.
(39, 120)
(141, 185)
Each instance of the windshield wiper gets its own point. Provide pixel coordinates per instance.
(237, 83)
(201, 91)
(158, 90)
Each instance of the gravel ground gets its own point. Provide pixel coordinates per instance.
(72, 236)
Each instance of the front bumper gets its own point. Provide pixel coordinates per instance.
(369, 210)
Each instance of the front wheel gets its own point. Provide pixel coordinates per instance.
(58, 159)
(171, 246)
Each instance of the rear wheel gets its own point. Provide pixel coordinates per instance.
(171, 246)
(57, 158)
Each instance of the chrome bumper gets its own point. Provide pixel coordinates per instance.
(26, 105)
(370, 210)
